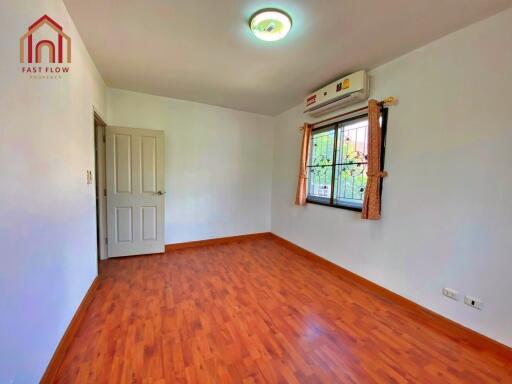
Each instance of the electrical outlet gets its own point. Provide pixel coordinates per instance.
(89, 177)
(474, 302)
(451, 293)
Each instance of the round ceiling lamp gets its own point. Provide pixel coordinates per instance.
(270, 24)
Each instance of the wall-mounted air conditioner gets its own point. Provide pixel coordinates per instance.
(349, 90)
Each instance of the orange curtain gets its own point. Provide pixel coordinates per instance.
(371, 202)
(302, 186)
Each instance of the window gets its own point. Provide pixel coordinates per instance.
(338, 162)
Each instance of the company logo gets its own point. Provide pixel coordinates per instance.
(45, 49)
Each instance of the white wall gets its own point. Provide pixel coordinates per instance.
(218, 164)
(47, 226)
(446, 203)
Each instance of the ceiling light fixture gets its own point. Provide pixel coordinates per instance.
(270, 24)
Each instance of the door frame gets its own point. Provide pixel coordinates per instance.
(100, 186)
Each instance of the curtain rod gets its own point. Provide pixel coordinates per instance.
(391, 100)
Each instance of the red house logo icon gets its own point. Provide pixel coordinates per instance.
(57, 53)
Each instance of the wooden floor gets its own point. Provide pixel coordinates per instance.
(255, 312)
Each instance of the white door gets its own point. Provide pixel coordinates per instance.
(135, 191)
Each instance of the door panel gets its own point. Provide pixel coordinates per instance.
(149, 164)
(123, 164)
(124, 225)
(135, 176)
(149, 223)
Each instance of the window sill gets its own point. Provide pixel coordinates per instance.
(346, 207)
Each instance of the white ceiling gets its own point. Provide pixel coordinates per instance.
(204, 51)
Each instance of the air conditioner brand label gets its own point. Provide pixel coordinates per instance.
(310, 100)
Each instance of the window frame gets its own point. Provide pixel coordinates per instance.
(384, 114)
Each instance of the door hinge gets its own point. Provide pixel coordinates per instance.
(106, 241)
(104, 138)
(105, 192)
